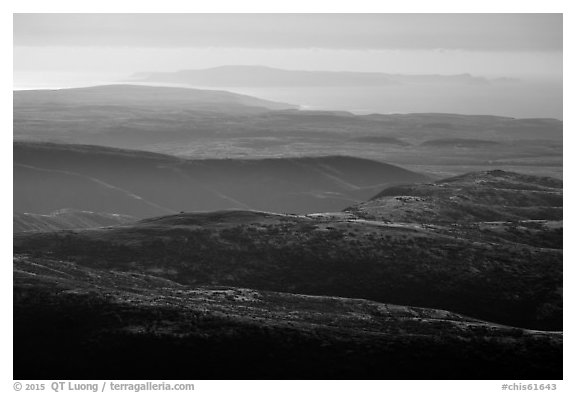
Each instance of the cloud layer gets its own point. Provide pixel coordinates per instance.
(473, 32)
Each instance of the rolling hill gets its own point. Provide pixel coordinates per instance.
(49, 177)
(143, 97)
(194, 123)
(509, 282)
(359, 294)
(127, 325)
(66, 219)
(480, 196)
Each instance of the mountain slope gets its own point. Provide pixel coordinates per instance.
(480, 196)
(245, 294)
(126, 325)
(332, 255)
(66, 219)
(50, 177)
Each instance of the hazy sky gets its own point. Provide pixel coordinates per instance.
(76, 45)
(484, 32)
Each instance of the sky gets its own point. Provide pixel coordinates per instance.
(61, 48)
(492, 32)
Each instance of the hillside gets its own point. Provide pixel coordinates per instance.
(505, 281)
(194, 123)
(480, 196)
(126, 325)
(369, 293)
(66, 219)
(49, 177)
(142, 97)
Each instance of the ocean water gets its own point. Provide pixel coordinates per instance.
(520, 99)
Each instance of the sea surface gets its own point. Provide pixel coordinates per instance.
(517, 98)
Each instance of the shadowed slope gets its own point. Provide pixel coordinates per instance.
(49, 177)
(126, 325)
(66, 219)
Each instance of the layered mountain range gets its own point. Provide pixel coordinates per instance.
(141, 264)
(426, 247)
(193, 123)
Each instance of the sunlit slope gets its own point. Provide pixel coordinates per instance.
(480, 196)
(332, 255)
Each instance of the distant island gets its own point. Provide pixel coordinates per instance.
(261, 76)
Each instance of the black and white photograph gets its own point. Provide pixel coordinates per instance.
(287, 196)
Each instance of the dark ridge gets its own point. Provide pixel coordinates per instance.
(35, 147)
(50, 176)
(126, 325)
